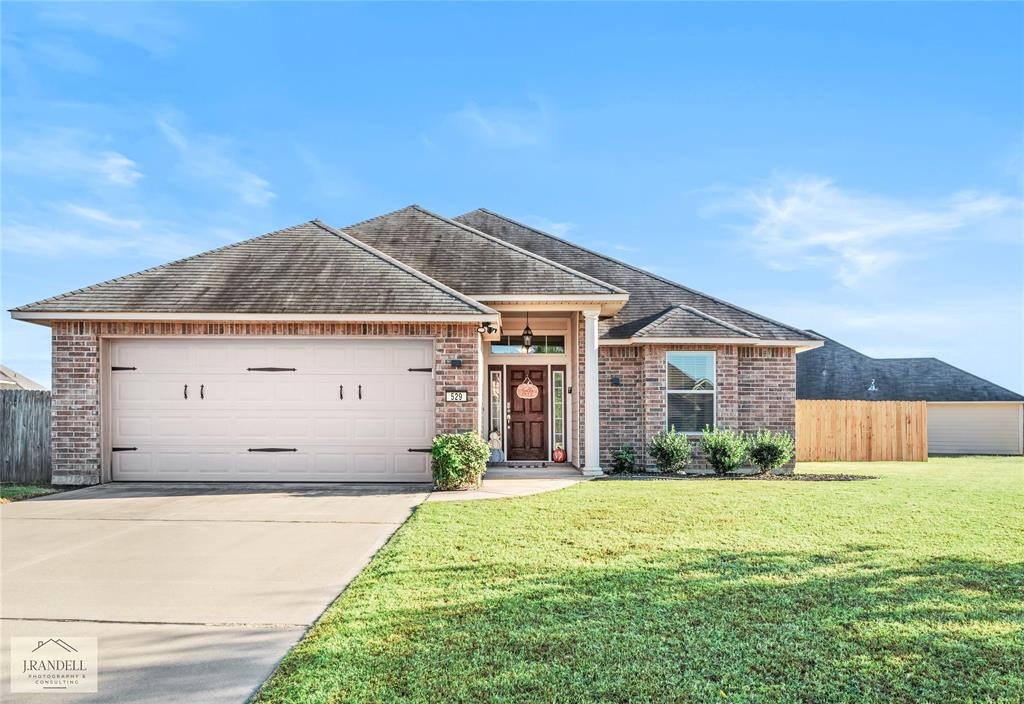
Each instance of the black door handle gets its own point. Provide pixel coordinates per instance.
(186, 392)
(360, 392)
(341, 392)
(202, 395)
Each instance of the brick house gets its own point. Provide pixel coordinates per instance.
(318, 354)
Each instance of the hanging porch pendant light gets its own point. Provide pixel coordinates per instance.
(527, 334)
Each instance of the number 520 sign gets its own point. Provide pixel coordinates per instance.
(456, 396)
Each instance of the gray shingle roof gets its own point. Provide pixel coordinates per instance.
(308, 268)
(10, 379)
(835, 371)
(469, 260)
(649, 295)
(684, 321)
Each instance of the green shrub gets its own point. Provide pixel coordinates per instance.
(459, 460)
(724, 450)
(671, 451)
(624, 460)
(770, 450)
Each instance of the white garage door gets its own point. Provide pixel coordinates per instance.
(270, 410)
(974, 428)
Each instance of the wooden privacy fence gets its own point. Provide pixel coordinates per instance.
(859, 431)
(24, 436)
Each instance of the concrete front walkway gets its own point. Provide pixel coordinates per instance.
(501, 484)
(194, 591)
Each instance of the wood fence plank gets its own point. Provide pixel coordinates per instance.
(859, 431)
(24, 436)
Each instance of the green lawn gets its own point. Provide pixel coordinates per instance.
(905, 589)
(17, 492)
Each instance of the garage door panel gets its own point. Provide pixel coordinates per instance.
(168, 463)
(208, 437)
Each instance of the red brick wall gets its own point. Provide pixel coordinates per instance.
(75, 404)
(621, 376)
(756, 388)
(767, 388)
(76, 373)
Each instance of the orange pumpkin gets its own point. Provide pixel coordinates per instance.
(558, 455)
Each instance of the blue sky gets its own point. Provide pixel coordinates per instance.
(855, 169)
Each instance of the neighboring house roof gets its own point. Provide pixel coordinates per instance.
(835, 371)
(309, 268)
(471, 261)
(10, 379)
(649, 295)
(684, 321)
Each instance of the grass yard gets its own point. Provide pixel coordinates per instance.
(17, 492)
(905, 589)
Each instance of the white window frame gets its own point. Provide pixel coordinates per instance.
(713, 391)
(551, 411)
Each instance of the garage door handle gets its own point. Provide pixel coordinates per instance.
(186, 392)
(360, 392)
(273, 449)
(202, 387)
(341, 392)
(122, 369)
(421, 369)
(123, 449)
(420, 449)
(270, 369)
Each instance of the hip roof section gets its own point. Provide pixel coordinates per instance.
(309, 268)
(649, 295)
(837, 372)
(472, 261)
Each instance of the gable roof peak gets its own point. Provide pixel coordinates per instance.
(799, 333)
(596, 285)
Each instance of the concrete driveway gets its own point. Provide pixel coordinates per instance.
(194, 592)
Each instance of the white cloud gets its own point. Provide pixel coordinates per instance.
(149, 26)
(808, 221)
(63, 240)
(101, 217)
(558, 229)
(505, 126)
(74, 153)
(206, 158)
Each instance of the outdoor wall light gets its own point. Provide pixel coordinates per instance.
(527, 334)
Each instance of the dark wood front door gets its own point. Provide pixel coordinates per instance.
(527, 418)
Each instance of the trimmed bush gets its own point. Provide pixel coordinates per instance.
(724, 450)
(459, 460)
(770, 450)
(624, 460)
(671, 451)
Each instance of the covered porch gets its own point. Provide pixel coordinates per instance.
(540, 407)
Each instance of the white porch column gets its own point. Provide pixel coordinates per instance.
(592, 408)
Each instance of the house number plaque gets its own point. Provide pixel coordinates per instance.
(456, 396)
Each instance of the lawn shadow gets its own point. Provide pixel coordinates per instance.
(856, 624)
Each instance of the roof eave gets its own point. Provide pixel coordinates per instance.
(44, 317)
(609, 304)
(800, 345)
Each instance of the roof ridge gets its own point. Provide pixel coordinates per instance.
(125, 277)
(641, 271)
(404, 267)
(676, 307)
(713, 319)
(509, 245)
(503, 243)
